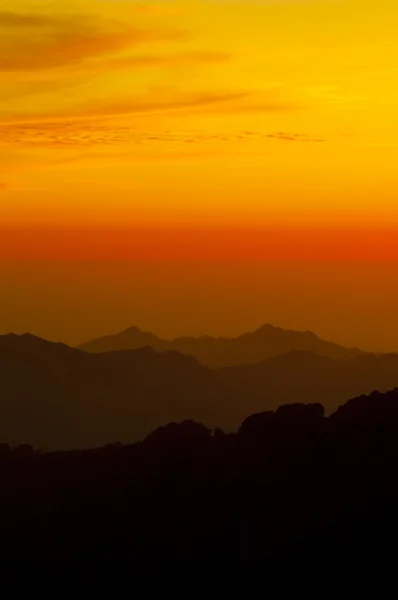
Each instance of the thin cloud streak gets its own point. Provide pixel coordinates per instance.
(80, 134)
(141, 104)
(30, 42)
(183, 59)
(11, 20)
(69, 48)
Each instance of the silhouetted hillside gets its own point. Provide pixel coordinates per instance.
(59, 397)
(292, 493)
(54, 396)
(306, 377)
(249, 348)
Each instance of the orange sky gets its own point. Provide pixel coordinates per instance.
(199, 130)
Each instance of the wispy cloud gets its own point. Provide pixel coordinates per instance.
(181, 59)
(165, 102)
(80, 134)
(30, 41)
(72, 47)
(294, 137)
(10, 19)
(42, 54)
(73, 78)
(157, 100)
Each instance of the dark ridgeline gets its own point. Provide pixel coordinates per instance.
(57, 397)
(249, 348)
(292, 492)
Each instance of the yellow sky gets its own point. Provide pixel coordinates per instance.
(198, 111)
(223, 163)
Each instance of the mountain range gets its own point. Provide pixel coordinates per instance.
(57, 397)
(216, 352)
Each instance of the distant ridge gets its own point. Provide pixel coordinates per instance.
(216, 352)
(56, 397)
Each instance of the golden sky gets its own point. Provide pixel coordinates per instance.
(198, 130)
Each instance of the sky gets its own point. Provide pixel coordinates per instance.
(199, 166)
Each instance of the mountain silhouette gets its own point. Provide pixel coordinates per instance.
(55, 397)
(215, 352)
(59, 397)
(278, 506)
(306, 377)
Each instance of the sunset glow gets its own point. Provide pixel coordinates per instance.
(198, 130)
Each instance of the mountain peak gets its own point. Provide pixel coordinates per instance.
(135, 332)
(132, 329)
(249, 348)
(24, 338)
(29, 342)
(268, 328)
